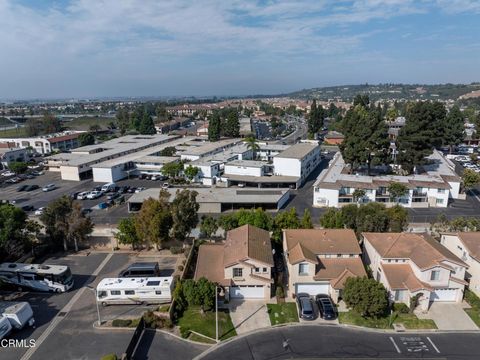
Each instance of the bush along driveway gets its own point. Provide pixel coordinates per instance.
(409, 321)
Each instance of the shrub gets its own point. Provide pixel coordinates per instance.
(176, 250)
(184, 332)
(472, 299)
(121, 322)
(109, 357)
(154, 322)
(401, 308)
(164, 308)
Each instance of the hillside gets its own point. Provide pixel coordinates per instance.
(388, 91)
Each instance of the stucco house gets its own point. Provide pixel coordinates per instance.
(408, 264)
(242, 264)
(319, 261)
(466, 245)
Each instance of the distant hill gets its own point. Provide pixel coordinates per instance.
(388, 92)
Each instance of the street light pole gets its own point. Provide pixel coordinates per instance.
(96, 302)
(216, 313)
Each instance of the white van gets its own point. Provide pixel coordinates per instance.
(5, 327)
(19, 314)
(109, 187)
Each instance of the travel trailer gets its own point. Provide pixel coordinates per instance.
(5, 327)
(39, 277)
(19, 314)
(153, 290)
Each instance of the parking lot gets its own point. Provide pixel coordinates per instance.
(65, 321)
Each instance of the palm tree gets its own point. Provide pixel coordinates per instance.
(252, 145)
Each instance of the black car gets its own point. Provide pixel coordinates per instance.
(124, 189)
(97, 188)
(22, 188)
(28, 208)
(74, 195)
(113, 196)
(141, 269)
(32, 187)
(305, 307)
(131, 190)
(326, 307)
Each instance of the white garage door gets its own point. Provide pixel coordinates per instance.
(444, 295)
(247, 292)
(312, 289)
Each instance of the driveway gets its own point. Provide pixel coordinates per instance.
(248, 315)
(449, 316)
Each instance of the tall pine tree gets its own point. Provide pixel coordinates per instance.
(147, 127)
(214, 127)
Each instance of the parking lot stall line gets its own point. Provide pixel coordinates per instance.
(433, 344)
(395, 345)
(65, 311)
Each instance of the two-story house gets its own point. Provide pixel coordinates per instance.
(466, 245)
(410, 264)
(319, 261)
(242, 264)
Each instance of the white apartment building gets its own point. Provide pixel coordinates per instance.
(431, 187)
(298, 160)
(246, 167)
(44, 145)
(9, 155)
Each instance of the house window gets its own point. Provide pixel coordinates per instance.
(378, 276)
(257, 270)
(441, 191)
(439, 201)
(264, 270)
(435, 275)
(237, 272)
(399, 295)
(303, 269)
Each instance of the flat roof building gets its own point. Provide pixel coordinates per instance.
(298, 160)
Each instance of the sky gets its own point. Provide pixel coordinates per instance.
(108, 48)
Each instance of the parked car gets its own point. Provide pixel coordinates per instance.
(29, 176)
(113, 196)
(155, 177)
(326, 307)
(132, 190)
(141, 269)
(124, 189)
(82, 195)
(37, 173)
(109, 187)
(39, 211)
(305, 307)
(13, 180)
(22, 188)
(32, 187)
(28, 208)
(139, 189)
(94, 195)
(165, 185)
(86, 211)
(49, 187)
(8, 173)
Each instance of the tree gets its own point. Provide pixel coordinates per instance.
(332, 219)
(33, 127)
(172, 169)
(12, 229)
(95, 128)
(168, 151)
(208, 226)
(397, 190)
(287, 219)
(191, 172)
(65, 222)
(214, 127)
(127, 233)
(154, 221)
(147, 127)
(470, 179)
(184, 212)
(315, 118)
(231, 126)
(198, 293)
(18, 167)
(50, 124)
(372, 217)
(398, 218)
(86, 139)
(361, 99)
(257, 217)
(365, 296)
(306, 221)
(228, 221)
(358, 194)
(123, 120)
(252, 145)
(453, 128)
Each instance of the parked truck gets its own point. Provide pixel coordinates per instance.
(19, 314)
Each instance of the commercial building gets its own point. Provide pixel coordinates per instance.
(116, 157)
(246, 167)
(466, 246)
(12, 154)
(414, 265)
(298, 160)
(242, 265)
(320, 261)
(47, 144)
(208, 148)
(266, 151)
(216, 200)
(432, 186)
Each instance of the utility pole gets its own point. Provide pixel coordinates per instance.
(216, 313)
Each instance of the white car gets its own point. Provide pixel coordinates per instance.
(49, 187)
(140, 189)
(8, 173)
(39, 211)
(165, 185)
(82, 195)
(94, 194)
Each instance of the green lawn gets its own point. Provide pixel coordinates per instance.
(474, 302)
(18, 132)
(193, 319)
(201, 339)
(282, 313)
(410, 321)
(84, 122)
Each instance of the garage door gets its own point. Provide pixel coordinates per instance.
(247, 292)
(444, 295)
(312, 289)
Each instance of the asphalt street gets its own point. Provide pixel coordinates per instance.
(332, 342)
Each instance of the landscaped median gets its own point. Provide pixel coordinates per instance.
(282, 313)
(474, 301)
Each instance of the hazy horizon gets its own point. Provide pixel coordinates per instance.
(61, 49)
